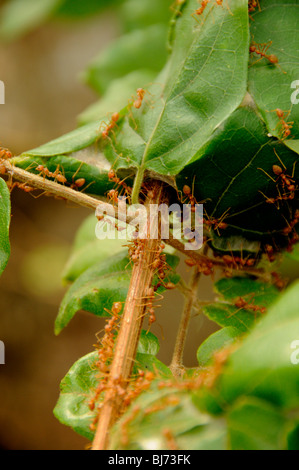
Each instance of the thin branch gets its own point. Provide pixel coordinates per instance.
(62, 192)
(176, 366)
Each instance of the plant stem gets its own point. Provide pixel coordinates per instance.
(130, 330)
(176, 366)
(137, 185)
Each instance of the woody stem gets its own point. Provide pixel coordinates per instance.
(130, 330)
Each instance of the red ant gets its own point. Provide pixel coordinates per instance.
(261, 49)
(241, 303)
(5, 154)
(220, 358)
(113, 195)
(238, 262)
(287, 230)
(252, 4)
(141, 384)
(150, 298)
(286, 126)
(187, 192)
(205, 267)
(47, 173)
(25, 187)
(292, 241)
(287, 181)
(3, 169)
(204, 4)
(113, 177)
(170, 439)
(284, 197)
(202, 8)
(190, 262)
(277, 281)
(140, 96)
(217, 223)
(113, 122)
(270, 252)
(79, 183)
(105, 350)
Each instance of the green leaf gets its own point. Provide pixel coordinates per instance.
(293, 145)
(254, 424)
(294, 255)
(293, 438)
(179, 118)
(261, 293)
(76, 390)
(270, 85)
(102, 284)
(214, 342)
(264, 366)
(142, 49)
(88, 250)
(151, 363)
(237, 163)
(96, 289)
(70, 142)
(19, 17)
(226, 314)
(79, 386)
(4, 225)
(81, 165)
(148, 343)
(117, 95)
(173, 411)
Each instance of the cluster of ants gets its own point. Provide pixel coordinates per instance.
(105, 353)
(58, 176)
(252, 5)
(114, 194)
(5, 154)
(210, 222)
(204, 4)
(105, 348)
(42, 170)
(160, 269)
